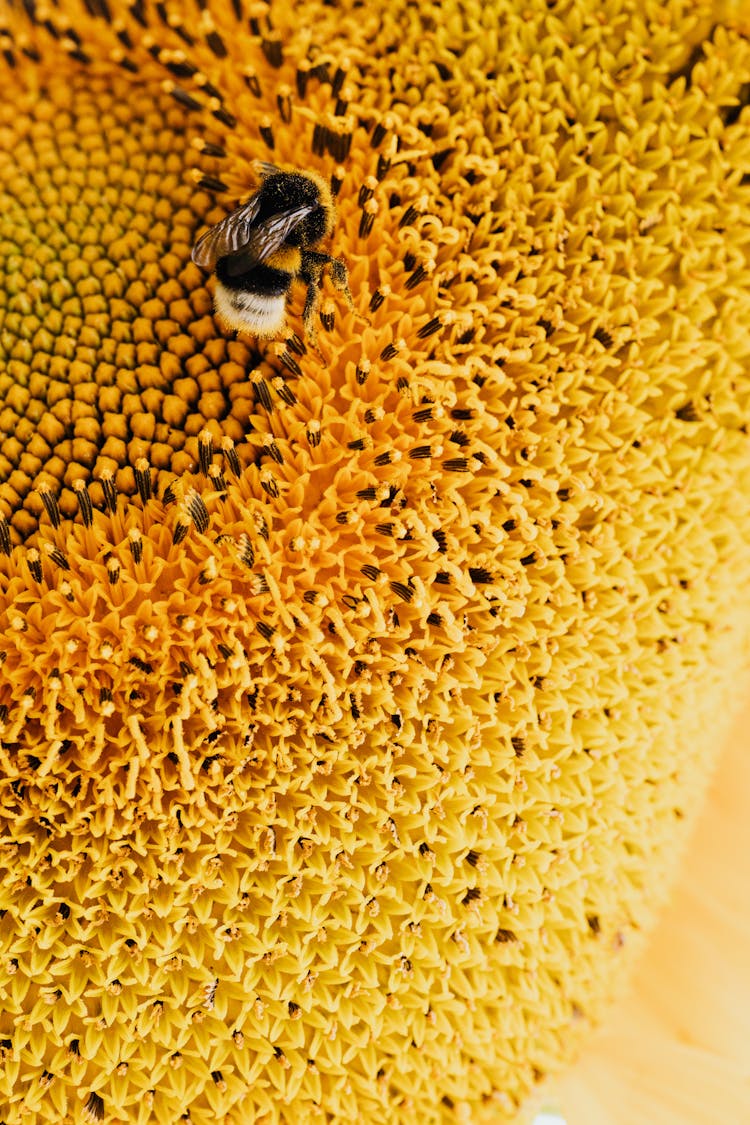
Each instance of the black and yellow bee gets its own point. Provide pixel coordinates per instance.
(262, 247)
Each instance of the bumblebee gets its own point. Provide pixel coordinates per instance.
(262, 247)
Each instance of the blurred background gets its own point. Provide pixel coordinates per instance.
(676, 1051)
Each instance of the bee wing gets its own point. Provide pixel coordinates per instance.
(227, 237)
(263, 168)
(272, 233)
(238, 233)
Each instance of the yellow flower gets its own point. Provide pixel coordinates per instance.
(354, 699)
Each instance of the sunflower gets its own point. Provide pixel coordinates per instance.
(356, 696)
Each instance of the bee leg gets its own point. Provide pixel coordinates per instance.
(308, 313)
(340, 278)
(312, 279)
(314, 261)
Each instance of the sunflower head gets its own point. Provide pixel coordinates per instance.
(348, 707)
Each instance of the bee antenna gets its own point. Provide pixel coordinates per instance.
(263, 169)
